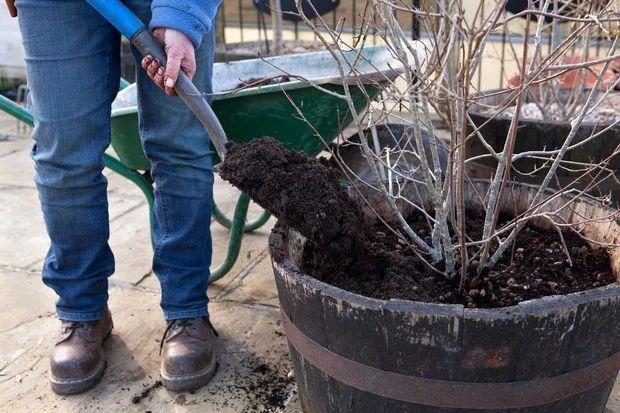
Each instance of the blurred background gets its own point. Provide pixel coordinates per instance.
(248, 28)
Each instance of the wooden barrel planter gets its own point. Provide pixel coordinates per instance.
(536, 134)
(557, 354)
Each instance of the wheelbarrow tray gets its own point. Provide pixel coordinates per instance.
(270, 110)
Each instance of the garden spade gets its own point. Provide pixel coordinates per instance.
(263, 168)
(142, 38)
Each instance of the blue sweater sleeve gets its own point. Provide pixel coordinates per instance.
(191, 17)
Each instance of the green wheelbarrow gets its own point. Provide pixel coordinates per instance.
(249, 112)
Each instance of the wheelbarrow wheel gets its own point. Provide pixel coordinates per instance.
(227, 223)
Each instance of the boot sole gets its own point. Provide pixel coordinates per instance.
(74, 386)
(189, 382)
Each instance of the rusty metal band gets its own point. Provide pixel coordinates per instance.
(449, 394)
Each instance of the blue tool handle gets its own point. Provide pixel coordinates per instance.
(119, 15)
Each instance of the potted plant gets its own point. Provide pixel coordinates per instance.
(552, 100)
(431, 291)
(545, 121)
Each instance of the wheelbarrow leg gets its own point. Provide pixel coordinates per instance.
(18, 112)
(234, 241)
(224, 221)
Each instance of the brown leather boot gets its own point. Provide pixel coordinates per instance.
(188, 360)
(78, 361)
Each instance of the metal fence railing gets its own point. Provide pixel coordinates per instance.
(247, 18)
(241, 22)
(242, 30)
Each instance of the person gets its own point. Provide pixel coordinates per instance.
(73, 69)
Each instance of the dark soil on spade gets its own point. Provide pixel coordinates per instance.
(301, 192)
(350, 253)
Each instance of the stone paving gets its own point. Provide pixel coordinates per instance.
(244, 308)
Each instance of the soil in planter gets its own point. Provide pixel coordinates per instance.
(302, 192)
(348, 252)
(536, 267)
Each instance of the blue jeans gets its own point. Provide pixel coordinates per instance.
(73, 68)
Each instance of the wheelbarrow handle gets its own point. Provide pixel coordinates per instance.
(141, 37)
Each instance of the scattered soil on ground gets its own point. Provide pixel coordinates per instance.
(302, 192)
(244, 382)
(346, 251)
(145, 393)
(264, 387)
(536, 267)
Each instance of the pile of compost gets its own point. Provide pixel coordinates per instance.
(350, 252)
(301, 192)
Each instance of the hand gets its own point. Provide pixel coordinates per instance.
(180, 54)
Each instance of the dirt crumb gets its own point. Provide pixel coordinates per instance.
(145, 393)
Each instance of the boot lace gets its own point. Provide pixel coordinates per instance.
(183, 323)
(71, 328)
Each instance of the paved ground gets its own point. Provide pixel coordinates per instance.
(244, 308)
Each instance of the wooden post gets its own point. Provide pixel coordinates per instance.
(220, 26)
(276, 21)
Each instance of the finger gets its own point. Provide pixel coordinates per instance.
(146, 61)
(152, 68)
(155, 71)
(172, 69)
(158, 78)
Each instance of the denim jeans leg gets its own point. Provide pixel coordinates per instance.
(179, 151)
(73, 74)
